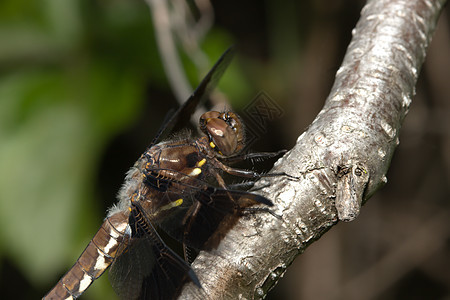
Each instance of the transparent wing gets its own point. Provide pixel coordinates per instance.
(184, 112)
(147, 267)
(205, 213)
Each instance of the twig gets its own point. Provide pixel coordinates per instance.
(167, 49)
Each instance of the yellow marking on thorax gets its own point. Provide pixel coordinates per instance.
(201, 163)
(172, 204)
(195, 172)
(212, 145)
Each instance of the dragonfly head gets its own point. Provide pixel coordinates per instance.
(224, 130)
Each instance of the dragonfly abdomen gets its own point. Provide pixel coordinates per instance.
(94, 260)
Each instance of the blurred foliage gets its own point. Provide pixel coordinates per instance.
(73, 75)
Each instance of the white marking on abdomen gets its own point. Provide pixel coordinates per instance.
(111, 243)
(100, 263)
(85, 282)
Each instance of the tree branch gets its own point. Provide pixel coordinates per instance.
(340, 161)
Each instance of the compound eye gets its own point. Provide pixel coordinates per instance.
(235, 123)
(206, 118)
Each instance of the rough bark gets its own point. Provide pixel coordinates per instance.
(340, 161)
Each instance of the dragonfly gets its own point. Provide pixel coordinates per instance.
(174, 192)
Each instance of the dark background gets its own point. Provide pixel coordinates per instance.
(82, 92)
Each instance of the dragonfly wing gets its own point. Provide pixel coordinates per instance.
(148, 268)
(218, 211)
(204, 210)
(201, 93)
